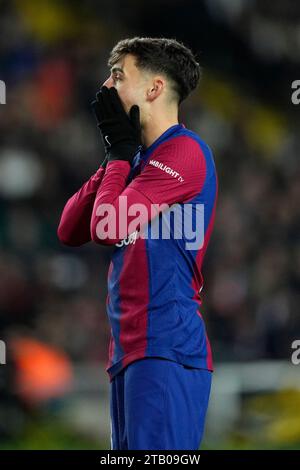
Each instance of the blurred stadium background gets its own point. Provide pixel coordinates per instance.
(53, 389)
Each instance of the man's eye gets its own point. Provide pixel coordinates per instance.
(116, 77)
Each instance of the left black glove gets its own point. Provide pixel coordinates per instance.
(121, 133)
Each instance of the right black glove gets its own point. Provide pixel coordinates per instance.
(121, 134)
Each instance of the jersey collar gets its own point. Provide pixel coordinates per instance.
(172, 130)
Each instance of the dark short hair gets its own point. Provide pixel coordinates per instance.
(161, 55)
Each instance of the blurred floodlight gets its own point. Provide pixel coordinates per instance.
(21, 173)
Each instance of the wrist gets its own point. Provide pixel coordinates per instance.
(104, 163)
(121, 166)
(123, 152)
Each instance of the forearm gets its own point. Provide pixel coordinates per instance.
(112, 206)
(74, 226)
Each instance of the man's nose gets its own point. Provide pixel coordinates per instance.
(108, 82)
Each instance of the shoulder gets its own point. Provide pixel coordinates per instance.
(186, 150)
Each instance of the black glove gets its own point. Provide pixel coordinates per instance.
(121, 134)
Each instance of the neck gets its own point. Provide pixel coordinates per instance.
(152, 130)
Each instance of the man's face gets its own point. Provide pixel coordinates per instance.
(130, 83)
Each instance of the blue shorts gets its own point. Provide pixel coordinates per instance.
(158, 404)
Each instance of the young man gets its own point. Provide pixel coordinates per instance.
(160, 360)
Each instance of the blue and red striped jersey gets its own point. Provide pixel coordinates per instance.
(154, 280)
(154, 284)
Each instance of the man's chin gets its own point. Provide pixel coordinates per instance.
(128, 108)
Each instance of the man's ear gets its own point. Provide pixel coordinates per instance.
(156, 89)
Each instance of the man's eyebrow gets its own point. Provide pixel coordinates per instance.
(117, 69)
